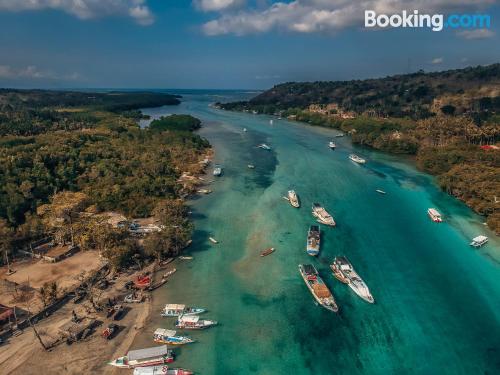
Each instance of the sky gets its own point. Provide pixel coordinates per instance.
(227, 44)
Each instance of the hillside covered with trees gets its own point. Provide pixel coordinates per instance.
(65, 159)
(444, 118)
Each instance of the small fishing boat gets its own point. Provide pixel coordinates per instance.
(185, 257)
(264, 146)
(213, 240)
(339, 135)
(168, 336)
(174, 310)
(204, 191)
(322, 216)
(157, 355)
(217, 171)
(161, 370)
(194, 322)
(313, 240)
(479, 241)
(357, 159)
(267, 252)
(169, 273)
(317, 287)
(251, 166)
(245, 130)
(434, 215)
(380, 191)
(332, 145)
(344, 271)
(293, 198)
(270, 122)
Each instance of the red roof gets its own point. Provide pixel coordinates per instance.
(489, 147)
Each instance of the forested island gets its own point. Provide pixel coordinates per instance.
(69, 158)
(450, 122)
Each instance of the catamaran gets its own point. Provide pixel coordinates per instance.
(332, 145)
(193, 322)
(317, 287)
(313, 240)
(357, 159)
(434, 215)
(479, 241)
(168, 336)
(293, 198)
(217, 171)
(322, 216)
(161, 370)
(173, 310)
(144, 357)
(264, 146)
(344, 272)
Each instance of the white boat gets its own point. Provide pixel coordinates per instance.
(194, 322)
(357, 159)
(479, 241)
(293, 198)
(270, 122)
(185, 257)
(174, 310)
(161, 370)
(339, 135)
(204, 191)
(332, 145)
(313, 240)
(251, 166)
(380, 191)
(217, 171)
(317, 287)
(169, 336)
(434, 215)
(344, 271)
(245, 130)
(169, 273)
(322, 215)
(264, 146)
(157, 355)
(213, 240)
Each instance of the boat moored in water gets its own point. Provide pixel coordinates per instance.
(344, 272)
(194, 322)
(434, 215)
(339, 135)
(267, 252)
(357, 159)
(174, 310)
(322, 216)
(293, 198)
(251, 166)
(380, 191)
(217, 171)
(332, 145)
(213, 240)
(317, 287)
(161, 370)
(264, 146)
(157, 355)
(313, 240)
(479, 241)
(168, 336)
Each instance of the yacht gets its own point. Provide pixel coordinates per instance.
(293, 198)
(344, 272)
(317, 287)
(322, 216)
(217, 171)
(313, 240)
(332, 145)
(479, 241)
(357, 159)
(434, 215)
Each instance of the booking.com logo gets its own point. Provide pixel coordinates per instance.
(436, 22)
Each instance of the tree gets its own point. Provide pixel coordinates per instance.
(48, 293)
(6, 241)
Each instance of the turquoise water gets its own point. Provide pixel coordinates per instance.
(437, 305)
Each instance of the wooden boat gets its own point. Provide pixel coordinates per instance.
(267, 252)
(144, 357)
(317, 287)
(194, 322)
(174, 310)
(168, 336)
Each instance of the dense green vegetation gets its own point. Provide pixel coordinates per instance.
(442, 118)
(102, 162)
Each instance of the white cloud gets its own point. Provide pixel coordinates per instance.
(476, 34)
(307, 16)
(217, 5)
(86, 9)
(32, 72)
(437, 60)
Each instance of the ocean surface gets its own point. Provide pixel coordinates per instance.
(437, 307)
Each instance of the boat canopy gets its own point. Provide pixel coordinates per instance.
(480, 239)
(164, 332)
(172, 306)
(157, 351)
(189, 318)
(309, 269)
